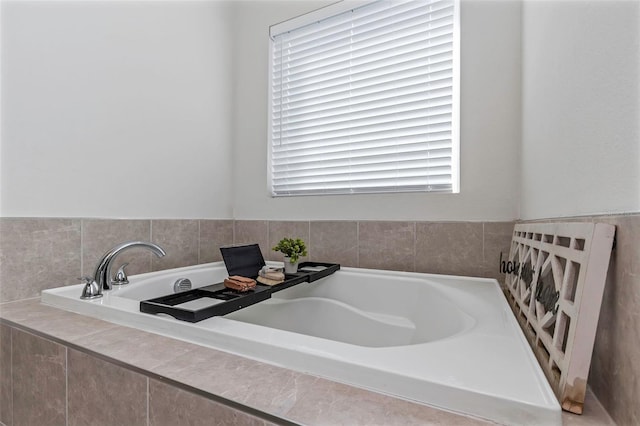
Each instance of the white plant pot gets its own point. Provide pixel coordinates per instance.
(290, 268)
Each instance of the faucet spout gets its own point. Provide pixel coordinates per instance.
(102, 275)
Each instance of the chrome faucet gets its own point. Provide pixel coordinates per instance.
(102, 277)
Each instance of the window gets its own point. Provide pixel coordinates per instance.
(365, 100)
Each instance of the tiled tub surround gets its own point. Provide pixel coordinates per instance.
(85, 368)
(41, 253)
(79, 370)
(27, 266)
(349, 327)
(614, 376)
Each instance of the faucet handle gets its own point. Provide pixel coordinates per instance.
(91, 289)
(120, 278)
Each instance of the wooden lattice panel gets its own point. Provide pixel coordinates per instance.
(555, 281)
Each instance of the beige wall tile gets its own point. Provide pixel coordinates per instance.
(386, 245)
(334, 241)
(252, 232)
(615, 363)
(213, 235)
(332, 403)
(101, 393)
(179, 239)
(497, 239)
(6, 407)
(151, 349)
(453, 248)
(594, 414)
(43, 253)
(36, 254)
(170, 406)
(100, 235)
(212, 371)
(615, 366)
(287, 229)
(52, 321)
(39, 380)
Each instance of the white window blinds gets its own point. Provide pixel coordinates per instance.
(365, 101)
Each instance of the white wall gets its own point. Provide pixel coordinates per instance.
(116, 109)
(581, 108)
(490, 129)
(128, 109)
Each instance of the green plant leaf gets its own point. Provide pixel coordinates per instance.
(291, 248)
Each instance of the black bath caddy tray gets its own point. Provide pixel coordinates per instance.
(215, 300)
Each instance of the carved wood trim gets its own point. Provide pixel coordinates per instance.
(555, 286)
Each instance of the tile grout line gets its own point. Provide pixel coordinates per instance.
(415, 244)
(357, 243)
(310, 242)
(309, 235)
(149, 258)
(233, 232)
(484, 261)
(82, 247)
(268, 249)
(66, 385)
(11, 371)
(148, 397)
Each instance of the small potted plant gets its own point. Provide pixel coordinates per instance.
(292, 249)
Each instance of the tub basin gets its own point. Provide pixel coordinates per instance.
(445, 341)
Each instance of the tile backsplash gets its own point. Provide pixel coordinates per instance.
(36, 254)
(44, 382)
(40, 253)
(614, 376)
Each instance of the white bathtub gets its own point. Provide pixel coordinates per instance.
(445, 341)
